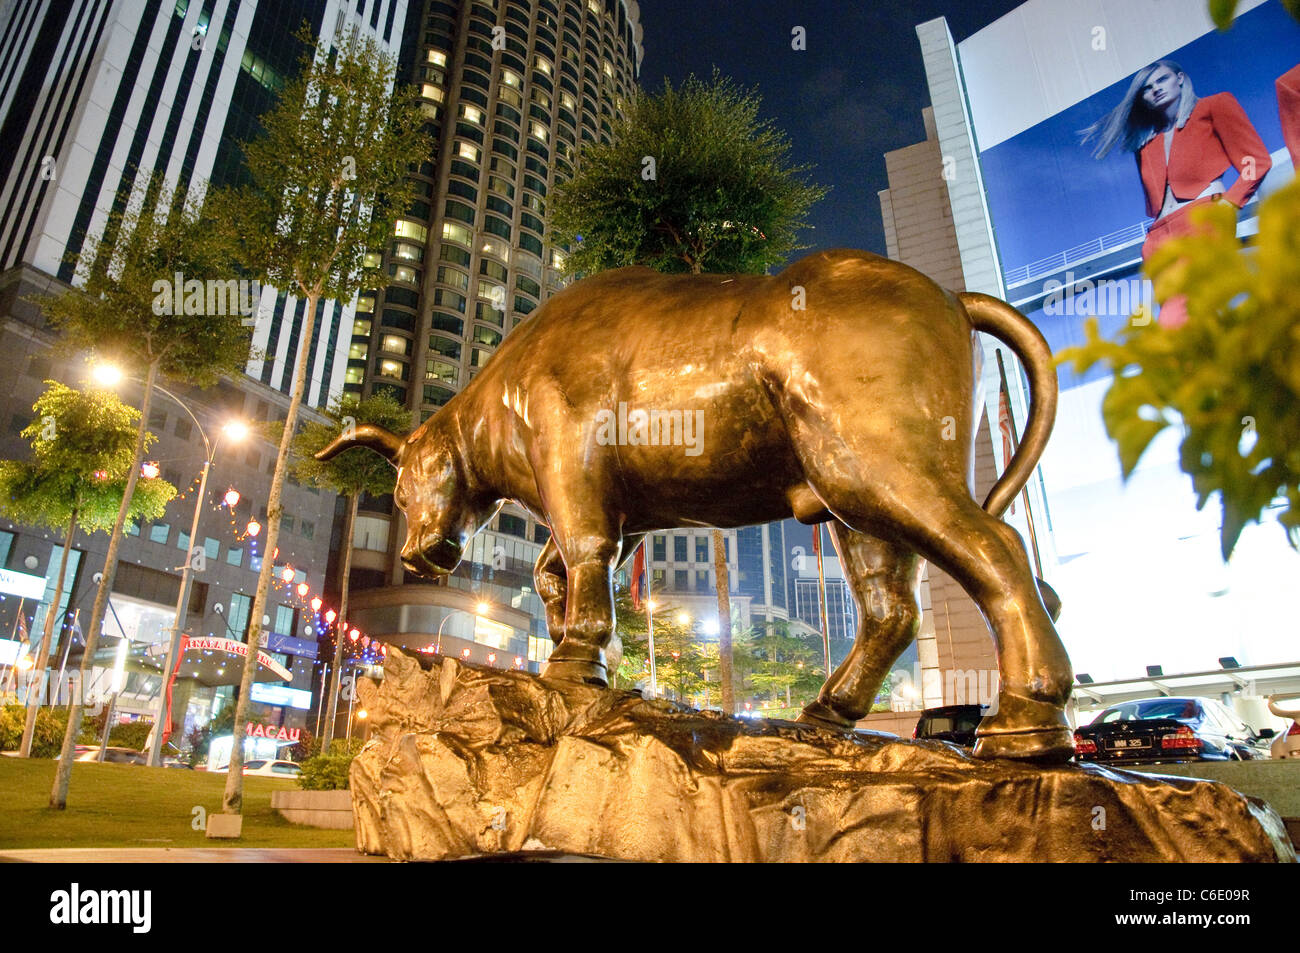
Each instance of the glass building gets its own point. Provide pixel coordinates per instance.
(511, 90)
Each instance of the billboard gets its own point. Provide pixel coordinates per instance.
(1099, 126)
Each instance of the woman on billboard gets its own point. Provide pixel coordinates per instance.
(1184, 145)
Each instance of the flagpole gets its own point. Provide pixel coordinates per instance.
(821, 596)
(1005, 394)
(650, 623)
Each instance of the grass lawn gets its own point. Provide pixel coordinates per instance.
(124, 805)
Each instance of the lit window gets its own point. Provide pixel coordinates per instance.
(372, 259)
(393, 343)
(441, 371)
(472, 113)
(594, 6)
(543, 64)
(358, 352)
(353, 375)
(510, 96)
(567, 101)
(467, 151)
(455, 232)
(429, 91)
(391, 369)
(492, 247)
(487, 289)
(412, 230)
(437, 58)
(366, 305)
(511, 78)
(607, 68)
(409, 252)
(557, 258)
(538, 131)
(403, 273)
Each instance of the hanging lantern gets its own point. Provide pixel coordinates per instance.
(231, 499)
(354, 634)
(315, 604)
(254, 527)
(330, 616)
(303, 589)
(287, 574)
(149, 471)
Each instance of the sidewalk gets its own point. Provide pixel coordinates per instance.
(190, 855)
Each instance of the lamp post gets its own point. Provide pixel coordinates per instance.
(482, 608)
(235, 431)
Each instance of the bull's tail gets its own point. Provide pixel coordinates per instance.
(995, 317)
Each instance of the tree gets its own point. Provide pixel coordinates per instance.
(76, 479)
(118, 314)
(1229, 377)
(691, 181)
(326, 183)
(350, 474)
(682, 658)
(787, 666)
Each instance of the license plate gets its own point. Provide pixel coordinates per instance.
(1129, 743)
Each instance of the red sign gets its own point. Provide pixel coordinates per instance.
(271, 731)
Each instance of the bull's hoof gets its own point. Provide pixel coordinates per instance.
(1027, 729)
(821, 715)
(1049, 745)
(577, 670)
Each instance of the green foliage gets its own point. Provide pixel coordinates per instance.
(357, 470)
(1222, 11)
(788, 666)
(1230, 376)
(117, 315)
(82, 444)
(682, 656)
(328, 178)
(49, 730)
(723, 197)
(329, 772)
(131, 734)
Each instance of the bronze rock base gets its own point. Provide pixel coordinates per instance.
(465, 761)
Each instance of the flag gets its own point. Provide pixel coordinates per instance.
(638, 573)
(1005, 423)
(23, 635)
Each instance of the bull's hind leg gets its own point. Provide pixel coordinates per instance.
(988, 559)
(552, 586)
(885, 578)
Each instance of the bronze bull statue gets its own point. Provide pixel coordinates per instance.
(841, 390)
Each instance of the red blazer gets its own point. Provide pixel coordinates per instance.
(1217, 135)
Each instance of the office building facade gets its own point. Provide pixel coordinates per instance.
(511, 90)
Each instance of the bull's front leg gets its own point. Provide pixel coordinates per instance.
(590, 553)
(551, 579)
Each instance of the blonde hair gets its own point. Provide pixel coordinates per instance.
(1131, 124)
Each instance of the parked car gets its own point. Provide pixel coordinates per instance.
(1286, 745)
(953, 723)
(1168, 730)
(272, 768)
(111, 755)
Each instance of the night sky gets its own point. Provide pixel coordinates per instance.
(854, 94)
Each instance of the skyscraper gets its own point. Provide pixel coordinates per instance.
(98, 96)
(511, 89)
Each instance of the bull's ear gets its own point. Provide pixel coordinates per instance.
(384, 442)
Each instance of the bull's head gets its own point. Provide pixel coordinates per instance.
(432, 490)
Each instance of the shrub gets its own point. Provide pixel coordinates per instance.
(329, 772)
(48, 737)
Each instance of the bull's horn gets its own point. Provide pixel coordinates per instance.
(384, 442)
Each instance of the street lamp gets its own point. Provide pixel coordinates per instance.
(236, 431)
(482, 607)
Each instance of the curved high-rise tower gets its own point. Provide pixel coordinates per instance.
(511, 90)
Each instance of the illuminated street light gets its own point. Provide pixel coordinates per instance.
(683, 618)
(107, 375)
(483, 608)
